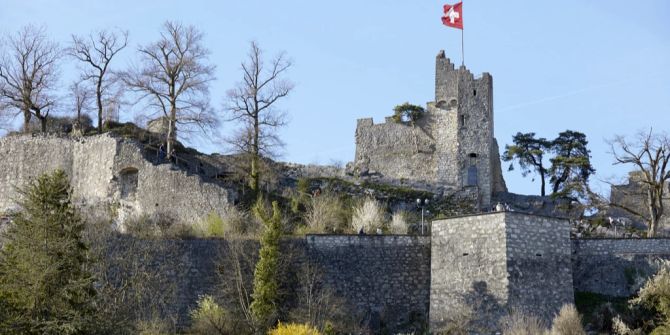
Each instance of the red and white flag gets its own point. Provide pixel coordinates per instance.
(453, 16)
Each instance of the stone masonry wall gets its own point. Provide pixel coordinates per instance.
(538, 264)
(88, 162)
(99, 168)
(616, 267)
(395, 150)
(383, 277)
(468, 270)
(493, 262)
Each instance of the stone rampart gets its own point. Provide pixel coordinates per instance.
(616, 267)
(383, 281)
(110, 178)
(384, 278)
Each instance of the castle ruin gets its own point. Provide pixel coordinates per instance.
(451, 148)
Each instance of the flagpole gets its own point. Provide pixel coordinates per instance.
(462, 43)
(462, 49)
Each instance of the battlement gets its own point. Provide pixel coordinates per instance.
(449, 80)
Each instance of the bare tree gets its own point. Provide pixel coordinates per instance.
(650, 154)
(174, 78)
(28, 75)
(81, 98)
(252, 103)
(97, 51)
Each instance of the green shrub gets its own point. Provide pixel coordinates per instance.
(293, 329)
(208, 317)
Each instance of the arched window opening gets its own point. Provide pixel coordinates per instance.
(128, 181)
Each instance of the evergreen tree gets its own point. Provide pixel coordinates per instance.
(266, 281)
(529, 152)
(571, 166)
(44, 285)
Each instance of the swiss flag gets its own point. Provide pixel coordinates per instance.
(453, 16)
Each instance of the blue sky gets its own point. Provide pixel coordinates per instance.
(600, 67)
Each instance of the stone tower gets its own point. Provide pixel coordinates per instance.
(496, 262)
(451, 148)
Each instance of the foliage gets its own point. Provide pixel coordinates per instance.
(209, 318)
(325, 214)
(293, 329)
(567, 322)
(655, 295)
(45, 287)
(368, 216)
(398, 224)
(529, 152)
(266, 281)
(520, 323)
(407, 113)
(231, 222)
(571, 165)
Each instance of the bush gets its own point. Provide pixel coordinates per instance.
(655, 295)
(208, 317)
(519, 323)
(398, 224)
(231, 221)
(368, 216)
(567, 322)
(293, 329)
(324, 214)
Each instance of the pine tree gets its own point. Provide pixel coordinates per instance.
(266, 281)
(44, 285)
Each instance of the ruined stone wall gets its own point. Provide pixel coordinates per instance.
(110, 178)
(88, 162)
(395, 150)
(616, 267)
(633, 196)
(454, 146)
(165, 191)
(497, 261)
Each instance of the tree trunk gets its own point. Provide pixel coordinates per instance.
(655, 204)
(172, 120)
(43, 121)
(542, 192)
(98, 94)
(26, 121)
(253, 183)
